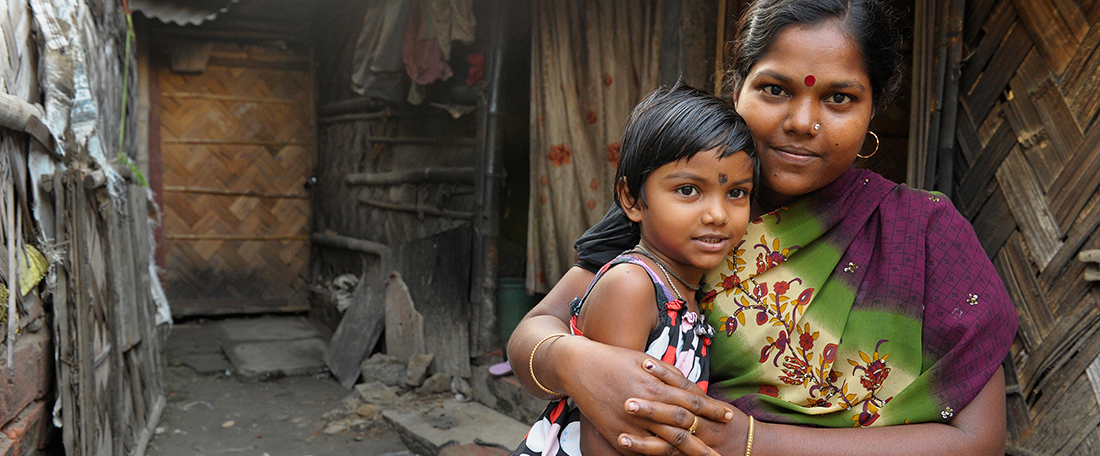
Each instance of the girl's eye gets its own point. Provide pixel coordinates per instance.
(738, 193)
(687, 190)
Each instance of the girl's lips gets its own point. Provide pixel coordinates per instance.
(713, 244)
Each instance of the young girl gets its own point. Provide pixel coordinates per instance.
(685, 172)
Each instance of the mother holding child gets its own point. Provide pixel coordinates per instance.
(855, 315)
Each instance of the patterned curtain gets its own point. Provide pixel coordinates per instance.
(591, 62)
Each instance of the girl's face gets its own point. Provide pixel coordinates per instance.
(811, 75)
(695, 210)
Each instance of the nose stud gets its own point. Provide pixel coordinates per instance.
(817, 126)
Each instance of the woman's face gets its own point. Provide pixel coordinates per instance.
(811, 75)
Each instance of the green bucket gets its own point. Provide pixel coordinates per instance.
(513, 303)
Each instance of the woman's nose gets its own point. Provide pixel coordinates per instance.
(801, 116)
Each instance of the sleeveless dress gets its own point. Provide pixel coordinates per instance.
(680, 338)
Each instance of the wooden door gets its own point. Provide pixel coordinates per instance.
(1027, 165)
(237, 146)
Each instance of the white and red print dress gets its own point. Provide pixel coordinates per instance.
(679, 338)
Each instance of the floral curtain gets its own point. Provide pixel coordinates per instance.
(592, 61)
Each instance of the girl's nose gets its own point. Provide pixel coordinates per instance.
(716, 214)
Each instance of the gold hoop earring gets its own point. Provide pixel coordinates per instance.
(876, 147)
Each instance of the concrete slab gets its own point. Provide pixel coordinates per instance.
(268, 328)
(203, 363)
(275, 357)
(426, 426)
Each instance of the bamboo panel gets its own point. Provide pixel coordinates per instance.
(1030, 145)
(237, 144)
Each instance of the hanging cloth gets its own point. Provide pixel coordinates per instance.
(591, 62)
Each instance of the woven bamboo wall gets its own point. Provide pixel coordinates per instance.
(1027, 168)
(237, 148)
(98, 290)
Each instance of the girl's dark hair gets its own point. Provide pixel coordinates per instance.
(870, 23)
(672, 124)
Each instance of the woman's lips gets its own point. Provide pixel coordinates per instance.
(794, 154)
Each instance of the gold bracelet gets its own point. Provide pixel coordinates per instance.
(531, 363)
(748, 446)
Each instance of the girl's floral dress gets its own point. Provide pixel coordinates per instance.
(680, 338)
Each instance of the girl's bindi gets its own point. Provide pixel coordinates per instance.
(722, 178)
(810, 80)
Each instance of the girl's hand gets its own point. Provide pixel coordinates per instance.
(602, 390)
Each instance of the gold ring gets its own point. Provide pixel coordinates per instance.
(694, 424)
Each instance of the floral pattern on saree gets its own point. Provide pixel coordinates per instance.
(801, 362)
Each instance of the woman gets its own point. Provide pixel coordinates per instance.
(852, 302)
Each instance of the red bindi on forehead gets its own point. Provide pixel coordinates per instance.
(810, 80)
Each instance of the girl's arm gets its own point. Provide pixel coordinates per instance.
(620, 311)
(600, 389)
(978, 429)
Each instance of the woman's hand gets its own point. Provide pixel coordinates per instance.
(978, 429)
(602, 389)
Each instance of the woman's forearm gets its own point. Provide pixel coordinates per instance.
(978, 429)
(550, 316)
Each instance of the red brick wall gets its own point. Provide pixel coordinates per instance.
(24, 391)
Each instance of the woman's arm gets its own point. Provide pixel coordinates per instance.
(600, 389)
(978, 429)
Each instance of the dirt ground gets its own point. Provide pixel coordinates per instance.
(220, 413)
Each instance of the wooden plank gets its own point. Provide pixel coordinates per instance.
(969, 143)
(1021, 113)
(977, 13)
(234, 142)
(1085, 227)
(994, 223)
(236, 98)
(1078, 181)
(416, 209)
(464, 175)
(437, 272)
(1065, 133)
(350, 243)
(1075, 400)
(974, 188)
(246, 193)
(358, 332)
(1050, 32)
(1025, 199)
(1079, 79)
(1026, 291)
(1056, 348)
(183, 308)
(993, 80)
(1000, 22)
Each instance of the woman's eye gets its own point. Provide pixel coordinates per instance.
(839, 98)
(686, 191)
(773, 90)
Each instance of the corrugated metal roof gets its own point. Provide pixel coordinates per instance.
(182, 12)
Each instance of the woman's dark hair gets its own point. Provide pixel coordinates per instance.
(870, 23)
(672, 124)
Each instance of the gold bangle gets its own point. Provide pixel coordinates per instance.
(531, 363)
(748, 446)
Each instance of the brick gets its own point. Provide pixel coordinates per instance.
(30, 376)
(27, 432)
